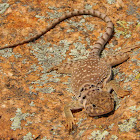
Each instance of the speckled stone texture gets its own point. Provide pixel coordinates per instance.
(32, 101)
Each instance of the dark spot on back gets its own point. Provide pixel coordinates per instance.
(84, 97)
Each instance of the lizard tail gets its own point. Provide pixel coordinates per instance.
(99, 44)
(97, 47)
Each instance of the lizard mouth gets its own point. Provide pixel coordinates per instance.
(93, 110)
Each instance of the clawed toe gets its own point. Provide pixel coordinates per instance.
(124, 93)
(69, 124)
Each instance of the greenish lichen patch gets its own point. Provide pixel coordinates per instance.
(122, 76)
(6, 52)
(44, 79)
(46, 89)
(17, 55)
(127, 125)
(24, 61)
(69, 89)
(42, 83)
(81, 132)
(125, 78)
(28, 123)
(138, 26)
(110, 126)
(45, 138)
(79, 52)
(79, 25)
(134, 108)
(55, 53)
(88, 6)
(136, 61)
(3, 7)
(40, 17)
(80, 121)
(113, 137)
(111, 1)
(28, 136)
(98, 135)
(32, 103)
(130, 77)
(53, 8)
(137, 76)
(89, 26)
(132, 10)
(137, 51)
(125, 31)
(17, 119)
(55, 15)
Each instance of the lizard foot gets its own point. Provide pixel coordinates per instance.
(123, 93)
(69, 123)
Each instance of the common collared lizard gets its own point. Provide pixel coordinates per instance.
(91, 78)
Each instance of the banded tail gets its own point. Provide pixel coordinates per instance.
(97, 47)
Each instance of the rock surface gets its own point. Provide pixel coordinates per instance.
(32, 101)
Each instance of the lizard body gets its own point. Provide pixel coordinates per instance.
(91, 78)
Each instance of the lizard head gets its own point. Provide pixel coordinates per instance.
(96, 102)
(99, 103)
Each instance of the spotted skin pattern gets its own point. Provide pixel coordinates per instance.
(90, 78)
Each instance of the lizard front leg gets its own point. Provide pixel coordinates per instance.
(116, 87)
(75, 105)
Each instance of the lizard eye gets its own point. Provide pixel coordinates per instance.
(93, 105)
(84, 97)
(81, 89)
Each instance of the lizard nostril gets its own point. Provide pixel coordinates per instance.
(93, 105)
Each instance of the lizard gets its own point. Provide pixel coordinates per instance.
(91, 78)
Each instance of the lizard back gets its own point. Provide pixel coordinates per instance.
(90, 71)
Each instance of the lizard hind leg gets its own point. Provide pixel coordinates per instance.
(119, 57)
(116, 87)
(115, 59)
